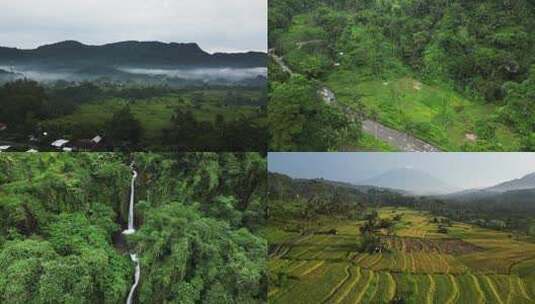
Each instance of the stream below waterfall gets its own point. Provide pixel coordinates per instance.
(130, 230)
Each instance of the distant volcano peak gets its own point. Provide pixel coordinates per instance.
(411, 180)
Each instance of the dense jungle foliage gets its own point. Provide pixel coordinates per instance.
(197, 215)
(458, 74)
(301, 121)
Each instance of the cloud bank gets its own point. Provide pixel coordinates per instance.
(217, 25)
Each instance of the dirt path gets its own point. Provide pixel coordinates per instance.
(303, 43)
(280, 62)
(401, 141)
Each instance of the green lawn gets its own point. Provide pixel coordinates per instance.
(369, 143)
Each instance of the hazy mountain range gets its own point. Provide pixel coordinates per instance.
(525, 184)
(410, 180)
(517, 194)
(132, 60)
(129, 53)
(421, 183)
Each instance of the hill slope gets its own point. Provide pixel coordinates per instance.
(523, 183)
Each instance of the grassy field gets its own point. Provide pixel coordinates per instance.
(433, 112)
(436, 114)
(467, 265)
(368, 143)
(155, 113)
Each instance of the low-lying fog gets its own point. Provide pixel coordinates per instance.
(229, 75)
(38, 75)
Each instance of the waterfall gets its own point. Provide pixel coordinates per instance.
(136, 278)
(131, 229)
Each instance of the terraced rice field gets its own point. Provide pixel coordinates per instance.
(467, 265)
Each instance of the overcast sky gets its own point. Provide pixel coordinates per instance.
(217, 25)
(463, 170)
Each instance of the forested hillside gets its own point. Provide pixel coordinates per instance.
(75, 54)
(457, 74)
(197, 214)
(310, 199)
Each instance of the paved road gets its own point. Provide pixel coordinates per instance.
(402, 141)
(399, 140)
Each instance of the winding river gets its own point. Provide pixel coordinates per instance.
(131, 229)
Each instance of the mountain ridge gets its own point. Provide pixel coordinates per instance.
(525, 182)
(72, 53)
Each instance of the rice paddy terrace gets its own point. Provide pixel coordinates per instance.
(322, 263)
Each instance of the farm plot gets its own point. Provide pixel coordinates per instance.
(466, 266)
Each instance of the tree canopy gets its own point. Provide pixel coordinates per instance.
(197, 214)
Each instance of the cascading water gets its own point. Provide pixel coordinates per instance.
(136, 279)
(131, 229)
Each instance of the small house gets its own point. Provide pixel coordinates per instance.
(89, 144)
(3, 126)
(4, 148)
(97, 139)
(59, 143)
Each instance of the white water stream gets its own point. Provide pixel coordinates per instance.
(131, 229)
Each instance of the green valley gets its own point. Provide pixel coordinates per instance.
(133, 117)
(400, 228)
